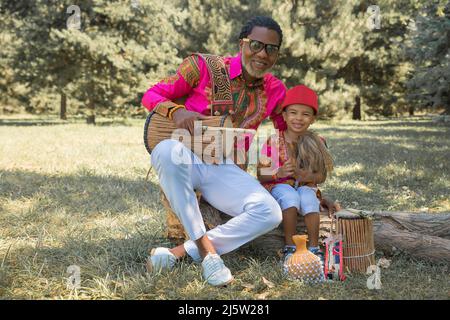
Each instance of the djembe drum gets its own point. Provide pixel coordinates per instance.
(358, 242)
(205, 145)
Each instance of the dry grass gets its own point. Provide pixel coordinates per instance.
(75, 195)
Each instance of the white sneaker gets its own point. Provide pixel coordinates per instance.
(214, 271)
(160, 259)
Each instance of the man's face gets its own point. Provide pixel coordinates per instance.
(257, 64)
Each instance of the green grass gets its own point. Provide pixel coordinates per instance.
(72, 194)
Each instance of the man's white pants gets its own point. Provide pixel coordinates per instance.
(226, 187)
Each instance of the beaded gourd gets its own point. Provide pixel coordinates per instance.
(303, 264)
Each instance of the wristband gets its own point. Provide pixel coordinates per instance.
(173, 109)
(163, 108)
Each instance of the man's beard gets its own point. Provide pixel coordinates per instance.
(258, 74)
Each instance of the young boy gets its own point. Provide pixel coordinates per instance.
(287, 173)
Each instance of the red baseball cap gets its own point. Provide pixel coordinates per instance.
(301, 94)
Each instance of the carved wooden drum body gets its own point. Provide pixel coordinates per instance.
(211, 141)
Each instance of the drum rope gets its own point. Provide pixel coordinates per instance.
(363, 256)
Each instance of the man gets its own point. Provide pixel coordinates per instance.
(255, 95)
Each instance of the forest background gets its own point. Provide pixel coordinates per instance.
(96, 57)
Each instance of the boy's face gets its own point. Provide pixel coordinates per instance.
(298, 117)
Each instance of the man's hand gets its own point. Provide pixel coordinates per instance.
(286, 170)
(185, 119)
(330, 206)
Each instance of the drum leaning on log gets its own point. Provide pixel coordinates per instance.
(358, 241)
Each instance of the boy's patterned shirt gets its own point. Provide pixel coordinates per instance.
(274, 154)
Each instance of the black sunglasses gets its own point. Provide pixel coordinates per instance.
(256, 46)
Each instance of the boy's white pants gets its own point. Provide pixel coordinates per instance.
(226, 187)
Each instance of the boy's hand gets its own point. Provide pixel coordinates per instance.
(330, 206)
(286, 170)
(304, 176)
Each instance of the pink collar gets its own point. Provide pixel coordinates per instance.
(235, 66)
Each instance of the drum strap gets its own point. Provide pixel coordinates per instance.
(222, 100)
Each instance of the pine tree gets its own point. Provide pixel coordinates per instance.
(429, 48)
(213, 26)
(321, 39)
(12, 92)
(383, 65)
(106, 63)
(122, 47)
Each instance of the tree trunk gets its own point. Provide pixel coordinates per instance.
(63, 107)
(90, 119)
(358, 80)
(357, 109)
(411, 111)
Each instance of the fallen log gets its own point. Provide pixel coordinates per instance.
(433, 224)
(389, 238)
(421, 235)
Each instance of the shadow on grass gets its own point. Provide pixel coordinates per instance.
(31, 122)
(81, 197)
(116, 268)
(52, 122)
(404, 123)
(83, 192)
(384, 168)
(354, 144)
(80, 200)
(390, 129)
(102, 256)
(102, 263)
